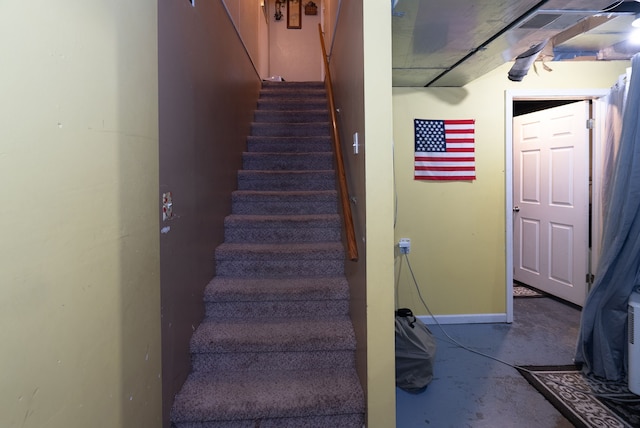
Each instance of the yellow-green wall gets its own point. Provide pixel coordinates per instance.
(79, 256)
(361, 71)
(457, 229)
(377, 149)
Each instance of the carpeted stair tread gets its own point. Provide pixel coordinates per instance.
(343, 421)
(283, 202)
(279, 268)
(275, 84)
(277, 308)
(279, 360)
(225, 396)
(286, 180)
(287, 161)
(282, 228)
(290, 129)
(275, 221)
(287, 251)
(267, 144)
(292, 104)
(291, 116)
(293, 93)
(260, 289)
(285, 196)
(279, 259)
(220, 335)
(277, 235)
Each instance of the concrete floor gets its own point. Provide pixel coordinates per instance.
(469, 390)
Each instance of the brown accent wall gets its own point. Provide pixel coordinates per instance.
(207, 93)
(347, 72)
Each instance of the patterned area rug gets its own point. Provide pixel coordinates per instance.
(585, 401)
(522, 291)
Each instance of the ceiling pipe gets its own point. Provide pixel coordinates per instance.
(524, 61)
(483, 46)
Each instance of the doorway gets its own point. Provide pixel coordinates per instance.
(530, 98)
(551, 153)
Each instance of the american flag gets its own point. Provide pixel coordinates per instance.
(444, 150)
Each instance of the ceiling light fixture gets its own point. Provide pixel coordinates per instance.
(634, 37)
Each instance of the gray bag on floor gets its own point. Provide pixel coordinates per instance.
(415, 352)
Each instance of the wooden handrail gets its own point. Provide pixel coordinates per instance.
(352, 245)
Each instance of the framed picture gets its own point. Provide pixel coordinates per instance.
(294, 13)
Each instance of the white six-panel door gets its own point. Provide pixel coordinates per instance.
(551, 200)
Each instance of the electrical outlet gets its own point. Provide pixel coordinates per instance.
(405, 245)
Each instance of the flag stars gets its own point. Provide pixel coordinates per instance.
(430, 136)
(444, 149)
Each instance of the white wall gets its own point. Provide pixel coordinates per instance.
(250, 22)
(295, 54)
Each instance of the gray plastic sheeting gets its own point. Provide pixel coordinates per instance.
(602, 343)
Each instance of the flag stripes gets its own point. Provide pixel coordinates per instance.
(444, 149)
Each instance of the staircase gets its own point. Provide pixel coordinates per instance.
(277, 347)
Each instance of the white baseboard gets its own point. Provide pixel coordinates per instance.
(465, 319)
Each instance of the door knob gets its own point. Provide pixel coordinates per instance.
(516, 209)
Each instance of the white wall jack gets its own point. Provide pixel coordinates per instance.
(405, 245)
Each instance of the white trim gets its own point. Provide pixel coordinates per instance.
(556, 94)
(508, 171)
(599, 140)
(521, 95)
(464, 319)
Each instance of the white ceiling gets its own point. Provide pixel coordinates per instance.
(451, 42)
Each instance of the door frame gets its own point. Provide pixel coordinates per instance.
(537, 95)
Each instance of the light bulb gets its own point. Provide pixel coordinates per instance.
(634, 37)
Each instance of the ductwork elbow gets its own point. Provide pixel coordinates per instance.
(524, 61)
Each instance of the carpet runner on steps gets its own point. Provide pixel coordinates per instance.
(276, 348)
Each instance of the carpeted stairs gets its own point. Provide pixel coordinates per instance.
(277, 347)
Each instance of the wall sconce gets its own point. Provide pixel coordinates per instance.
(279, 5)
